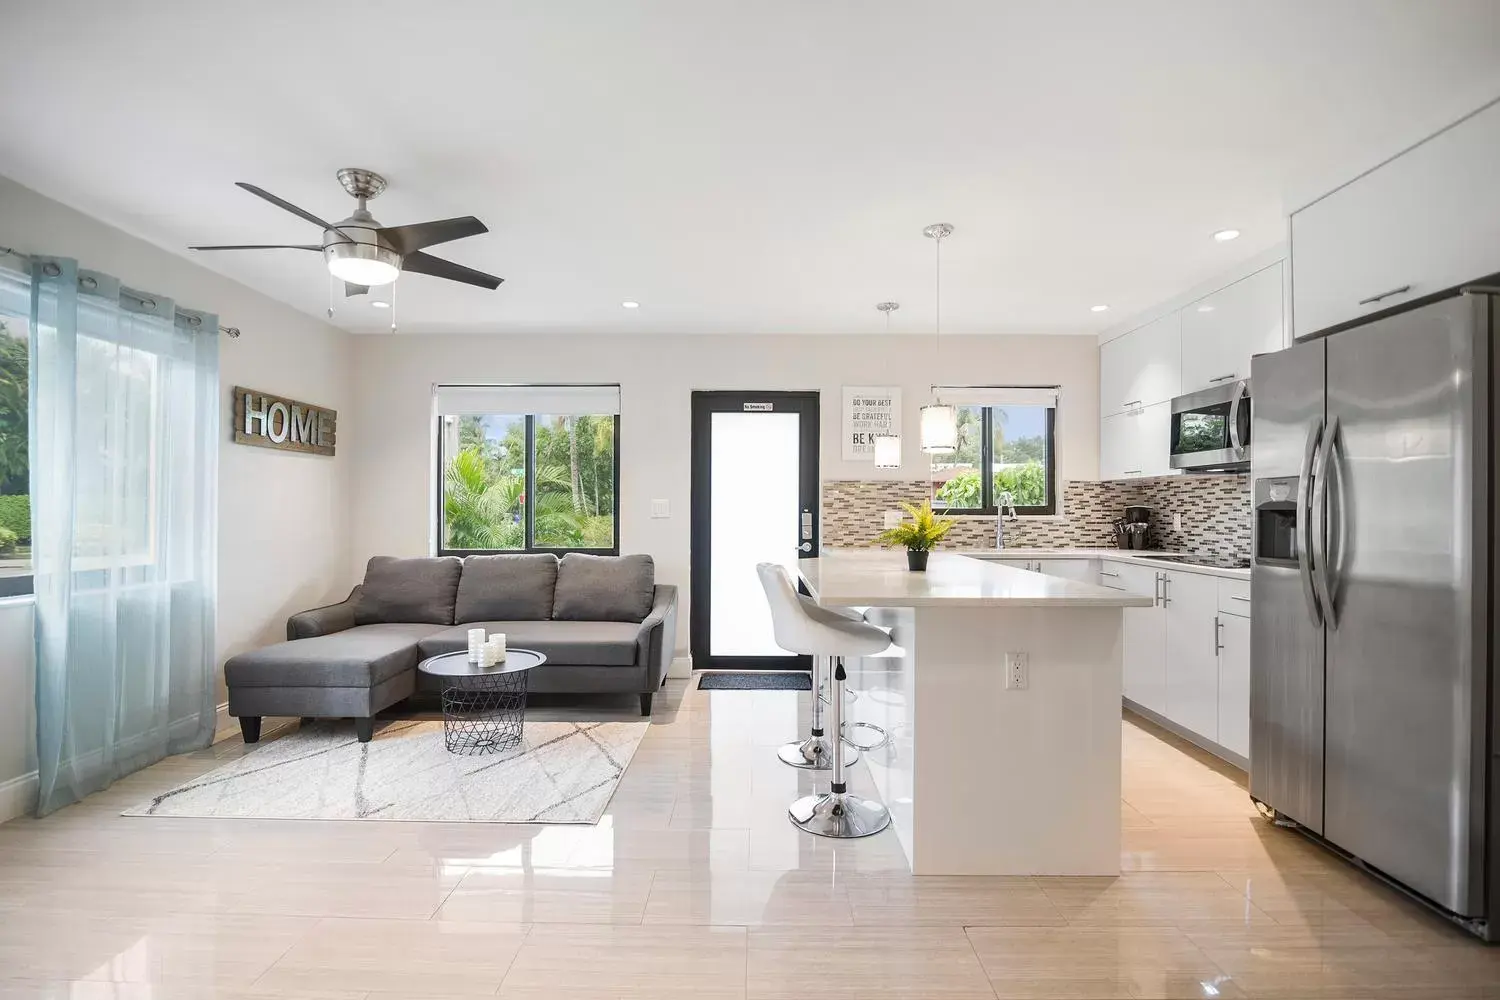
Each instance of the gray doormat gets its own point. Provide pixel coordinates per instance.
(758, 680)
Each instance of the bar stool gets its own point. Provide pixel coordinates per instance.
(815, 752)
(801, 627)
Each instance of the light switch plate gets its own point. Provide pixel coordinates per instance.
(893, 518)
(661, 508)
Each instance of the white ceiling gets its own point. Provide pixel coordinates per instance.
(735, 167)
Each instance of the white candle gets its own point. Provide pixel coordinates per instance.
(476, 644)
(497, 646)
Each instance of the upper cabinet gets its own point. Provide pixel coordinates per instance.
(1420, 223)
(1222, 331)
(1142, 367)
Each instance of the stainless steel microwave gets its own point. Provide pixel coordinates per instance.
(1211, 429)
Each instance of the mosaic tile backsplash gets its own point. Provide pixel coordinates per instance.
(1215, 514)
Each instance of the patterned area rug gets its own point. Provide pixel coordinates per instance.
(563, 772)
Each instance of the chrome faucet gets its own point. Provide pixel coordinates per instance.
(1003, 501)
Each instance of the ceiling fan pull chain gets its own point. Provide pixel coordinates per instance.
(330, 296)
(393, 308)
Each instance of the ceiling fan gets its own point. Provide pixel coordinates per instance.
(362, 253)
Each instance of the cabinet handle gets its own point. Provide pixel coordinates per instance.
(1224, 378)
(1165, 600)
(1131, 404)
(1131, 472)
(1107, 573)
(1217, 626)
(1385, 295)
(1237, 597)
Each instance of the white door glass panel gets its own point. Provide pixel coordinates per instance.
(753, 504)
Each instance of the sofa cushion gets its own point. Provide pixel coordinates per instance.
(576, 644)
(408, 590)
(506, 588)
(604, 588)
(363, 656)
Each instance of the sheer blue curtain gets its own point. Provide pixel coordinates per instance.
(124, 471)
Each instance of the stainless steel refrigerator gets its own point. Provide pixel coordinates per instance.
(1373, 709)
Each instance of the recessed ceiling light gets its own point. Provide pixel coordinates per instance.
(379, 304)
(1205, 309)
(1225, 235)
(631, 305)
(1098, 309)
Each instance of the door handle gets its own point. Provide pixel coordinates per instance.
(1385, 295)
(1218, 625)
(1322, 572)
(1304, 525)
(805, 547)
(1234, 419)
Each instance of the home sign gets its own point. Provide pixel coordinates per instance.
(268, 421)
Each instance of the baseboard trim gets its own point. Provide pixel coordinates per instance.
(18, 797)
(1202, 743)
(681, 668)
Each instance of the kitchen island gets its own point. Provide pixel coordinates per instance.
(997, 764)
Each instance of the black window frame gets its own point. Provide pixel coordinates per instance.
(987, 507)
(530, 548)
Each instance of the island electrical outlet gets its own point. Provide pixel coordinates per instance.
(1017, 671)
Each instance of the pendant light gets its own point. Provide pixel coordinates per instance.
(888, 446)
(939, 422)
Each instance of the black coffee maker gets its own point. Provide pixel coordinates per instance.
(1131, 530)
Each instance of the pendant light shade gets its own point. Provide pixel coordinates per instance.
(887, 451)
(939, 429)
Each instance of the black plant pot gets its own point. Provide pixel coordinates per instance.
(916, 560)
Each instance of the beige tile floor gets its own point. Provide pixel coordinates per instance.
(694, 885)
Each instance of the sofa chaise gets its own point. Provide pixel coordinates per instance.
(603, 623)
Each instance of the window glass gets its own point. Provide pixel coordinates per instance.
(955, 477)
(1021, 454)
(15, 482)
(489, 474)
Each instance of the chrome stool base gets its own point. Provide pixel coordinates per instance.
(839, 815)
(813, 754)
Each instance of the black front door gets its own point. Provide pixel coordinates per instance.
(755, 499)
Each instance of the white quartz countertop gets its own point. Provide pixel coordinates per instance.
(879, 578)
(1163, 561)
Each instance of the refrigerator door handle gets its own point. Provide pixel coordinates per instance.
(1321, 574)
(1305, 523)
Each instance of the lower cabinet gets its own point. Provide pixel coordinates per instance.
(1192, 663)
(1234, 684)
(1082, 570)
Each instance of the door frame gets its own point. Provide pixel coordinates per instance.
(704, 405)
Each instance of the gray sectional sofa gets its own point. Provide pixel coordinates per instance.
(603, 623)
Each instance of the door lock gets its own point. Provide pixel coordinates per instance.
(805, 547)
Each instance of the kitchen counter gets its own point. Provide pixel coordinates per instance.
(880, 578)
(1001, 694)
(1134, 557)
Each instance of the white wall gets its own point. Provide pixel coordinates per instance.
(283, 517)
(393, 471)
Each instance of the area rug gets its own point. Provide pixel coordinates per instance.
(563, 772)
(761, 680)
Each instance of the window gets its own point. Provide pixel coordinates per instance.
(1010, 433)
(528, 469)
(15, 466)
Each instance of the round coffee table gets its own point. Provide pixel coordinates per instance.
(484, 708)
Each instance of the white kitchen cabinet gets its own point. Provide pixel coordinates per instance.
(1192, 665)
(1136, 443)
(1424, 221)
(1144, 635)
(1234, 684)
(1221, 332)
(1082, 570)
(1142, 367)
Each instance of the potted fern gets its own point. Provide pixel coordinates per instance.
(918, 535)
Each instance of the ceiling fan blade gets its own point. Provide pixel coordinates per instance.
(409, 239)
(424, 263)
(266, 246)
(288, 206)
(351, 290)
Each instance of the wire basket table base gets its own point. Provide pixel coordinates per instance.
(484, 713)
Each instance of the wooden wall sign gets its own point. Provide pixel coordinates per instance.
(268, 421)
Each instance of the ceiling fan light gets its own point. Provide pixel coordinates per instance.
(939, 427)
(363, 263)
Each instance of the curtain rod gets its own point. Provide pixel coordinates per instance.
(232, 331)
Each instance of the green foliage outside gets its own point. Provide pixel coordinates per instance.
(14, 474)
(7, 542)
(1027, 485)
(15, 516)
(484, 484)
(921, 533)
